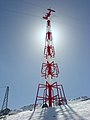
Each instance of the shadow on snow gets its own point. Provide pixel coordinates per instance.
(69, 113)
(65, 111)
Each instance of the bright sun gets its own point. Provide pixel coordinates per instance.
(40, 34)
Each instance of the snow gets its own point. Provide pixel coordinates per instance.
(74, 110)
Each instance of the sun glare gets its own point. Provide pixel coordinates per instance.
(40, 34)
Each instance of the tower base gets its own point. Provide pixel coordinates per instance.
(53, 94)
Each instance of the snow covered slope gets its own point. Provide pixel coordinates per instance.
(74, 110)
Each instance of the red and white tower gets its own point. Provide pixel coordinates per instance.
(52, 92)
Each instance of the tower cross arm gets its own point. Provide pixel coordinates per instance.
(48, 14)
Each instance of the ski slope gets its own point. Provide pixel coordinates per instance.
(74, 110)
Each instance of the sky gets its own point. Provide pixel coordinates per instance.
(22, 40)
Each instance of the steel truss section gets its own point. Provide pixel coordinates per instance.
(49, 51)
(49, 69)
(49, 36)
(53, 94)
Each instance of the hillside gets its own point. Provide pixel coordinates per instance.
(78, 109)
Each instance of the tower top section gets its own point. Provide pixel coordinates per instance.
(48, 14)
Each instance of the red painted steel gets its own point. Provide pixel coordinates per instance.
(49, 36)
(51, 96)
(51, 92)
(49, 51)
(49, 69)
(48, 23)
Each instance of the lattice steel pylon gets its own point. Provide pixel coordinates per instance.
(4, 109)
(52, 92)
(5, 101)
